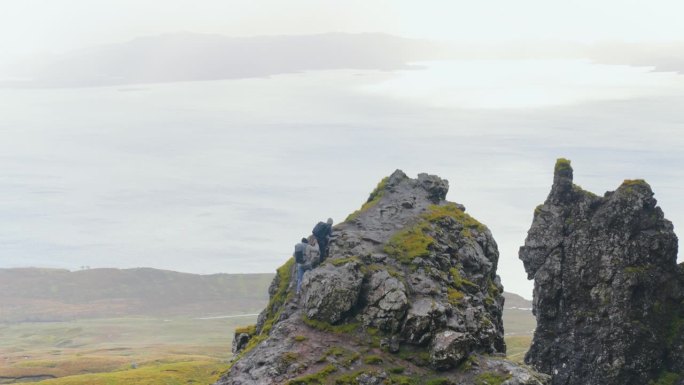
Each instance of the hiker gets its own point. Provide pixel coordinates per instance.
(313, 256)
(300, 258)
(323, 232)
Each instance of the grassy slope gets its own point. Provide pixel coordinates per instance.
(182, 373)
(103, 345)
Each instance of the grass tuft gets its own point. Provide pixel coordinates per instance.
(454, 296)
(180, 373)
(491, 378)
(318, 378)
(562, 164)
(372, 360)
(410, 243)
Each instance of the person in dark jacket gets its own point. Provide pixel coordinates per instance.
(323, 232)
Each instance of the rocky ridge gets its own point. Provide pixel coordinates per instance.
(608, 293)
(409, 295)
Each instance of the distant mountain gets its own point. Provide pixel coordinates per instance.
(51, 295)
(193, 57)
(514, 301)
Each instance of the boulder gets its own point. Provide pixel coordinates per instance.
(449, 348)
(331, 291)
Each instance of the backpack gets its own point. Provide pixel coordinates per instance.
(299, 253)
(321, 230)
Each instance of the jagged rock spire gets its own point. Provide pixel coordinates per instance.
(607, 295)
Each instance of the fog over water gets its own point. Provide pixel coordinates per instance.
(226, 175)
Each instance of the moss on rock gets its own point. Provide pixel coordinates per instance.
(562, 164)
(491, 378)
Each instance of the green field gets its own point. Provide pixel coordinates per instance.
(31, 351)
(182, 373)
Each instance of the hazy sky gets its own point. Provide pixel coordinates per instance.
(147, 166)
(54, 26)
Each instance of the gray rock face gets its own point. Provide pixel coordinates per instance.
(425, 317)
(607, 297)
(410, 281)
(386, 302)
(449, 348)
(330, 292)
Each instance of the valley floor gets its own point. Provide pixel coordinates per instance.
(83, 351)
(148, 350)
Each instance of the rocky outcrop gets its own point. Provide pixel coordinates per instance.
(330, 291)
(607, 289)
(409, 294)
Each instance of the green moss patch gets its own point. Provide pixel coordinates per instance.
(289, 357)
(491, 378)
(415, 241)
(416, 354)
(438, 381)
(454, 296)
(636, 269)
(437, 213)
(340, 356)
(459, 281)
(410, 243)
(318, 378)
(372, 360)
(667, 378)
(300, 338)
(562, 164)
(634, 182)
(675, 330)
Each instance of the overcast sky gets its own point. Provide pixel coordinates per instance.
(33, 26)
(208, 136)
